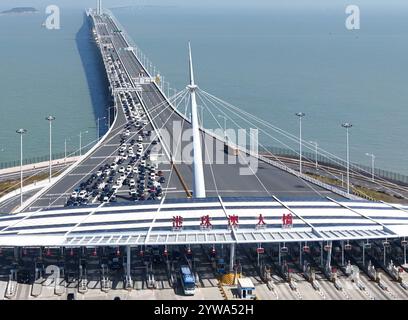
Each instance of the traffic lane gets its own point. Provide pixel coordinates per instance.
(11, 204)
(96, 159)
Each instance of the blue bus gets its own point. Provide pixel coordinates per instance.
(187, 280)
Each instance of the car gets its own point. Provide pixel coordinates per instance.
(70, 296)
(105, 199)
(162, 179)
(82, 194)
(74, 194)
(129, 168)
(99, 173)
(23, 276)
(121, 169)
(160, 173)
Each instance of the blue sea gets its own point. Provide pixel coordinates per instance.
(271, 62)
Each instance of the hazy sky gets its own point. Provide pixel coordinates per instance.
(5, 4)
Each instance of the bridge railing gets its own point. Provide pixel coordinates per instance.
(42, 158)
(340, 164)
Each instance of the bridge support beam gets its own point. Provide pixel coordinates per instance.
(232, 257)
(363, 254)
(128, 260)
(329, 252)
(342, 253)
(279, 254)
(300, 254)
(16, 253)
(385, 255)
(321, 254)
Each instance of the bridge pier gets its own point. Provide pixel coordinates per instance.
(342, 253)
(300, 253)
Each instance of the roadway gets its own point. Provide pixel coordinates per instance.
(220, 179)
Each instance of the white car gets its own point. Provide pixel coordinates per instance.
(74, 194)
(129, 168)
(99, 173)
(140, 138)
(82, 194)
(132, 183)
(121, 169)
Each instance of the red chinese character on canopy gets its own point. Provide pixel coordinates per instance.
(233, 220)
(287, 220)
(177, 222)
(261, 220)
(205, 222)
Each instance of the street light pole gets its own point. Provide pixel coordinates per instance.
(347, 126)
(21, 132)
(97, 127)
(80, 142)
(300, 115)
(50, 119)
(372, 164)
(65, 150)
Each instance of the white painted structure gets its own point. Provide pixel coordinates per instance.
(151, 224)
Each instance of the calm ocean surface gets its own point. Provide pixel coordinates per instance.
(269, 63)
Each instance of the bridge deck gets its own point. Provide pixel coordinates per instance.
(220, 179)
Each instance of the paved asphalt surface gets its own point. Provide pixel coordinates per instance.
(220, 179)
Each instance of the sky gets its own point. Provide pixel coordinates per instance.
(290, 4)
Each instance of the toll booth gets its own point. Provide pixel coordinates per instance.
(246, 289)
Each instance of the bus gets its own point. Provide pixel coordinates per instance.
(187, 280)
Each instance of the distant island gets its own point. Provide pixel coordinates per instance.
(20, 10)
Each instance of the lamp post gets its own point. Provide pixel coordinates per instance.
(97, 126)
(347, 126)
(21, 132)
(300, 115)
(50, 120)
(372, 164)
(65, 149)
(316, 145)
(80, 142)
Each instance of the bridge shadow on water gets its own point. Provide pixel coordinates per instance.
(98, 84)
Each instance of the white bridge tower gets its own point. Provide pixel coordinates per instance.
(199, 183)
